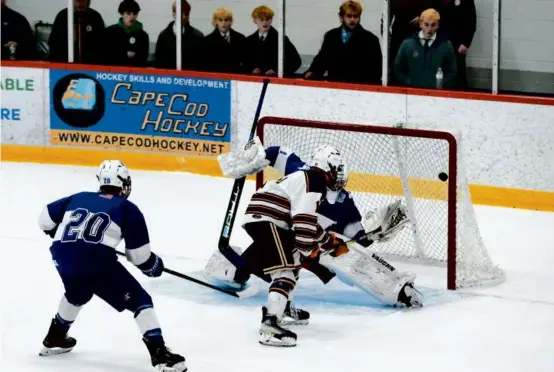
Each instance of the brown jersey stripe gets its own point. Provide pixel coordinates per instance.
(273, 199)
(305, 246)
(305, 236)
(305, 233)
(308, 219)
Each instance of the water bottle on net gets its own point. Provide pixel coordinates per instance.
(439, 78)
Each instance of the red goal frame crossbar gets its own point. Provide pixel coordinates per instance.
(401, 132)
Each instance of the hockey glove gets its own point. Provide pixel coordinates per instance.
(242, 162)
(384, 224)
(334, 245)
(152, 267)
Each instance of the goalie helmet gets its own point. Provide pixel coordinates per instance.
(329, 159)
(113, 173)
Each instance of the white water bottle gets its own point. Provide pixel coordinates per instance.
(439, 78)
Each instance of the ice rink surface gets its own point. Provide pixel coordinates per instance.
(505, 328)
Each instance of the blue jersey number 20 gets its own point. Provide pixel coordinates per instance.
(85, 225)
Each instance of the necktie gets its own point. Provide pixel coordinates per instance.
(227, 38)
(262, 38)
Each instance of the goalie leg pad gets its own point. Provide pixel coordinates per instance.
(370, 273)
(220, 270)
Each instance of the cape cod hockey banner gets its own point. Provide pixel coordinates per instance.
(174, 114)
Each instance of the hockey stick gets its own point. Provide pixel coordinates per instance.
(241, 294)
(236, 193)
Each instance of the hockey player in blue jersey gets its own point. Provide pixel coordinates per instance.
(339, 214)
(86, 228)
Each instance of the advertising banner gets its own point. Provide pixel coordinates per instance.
(22, 106)
(139, 112)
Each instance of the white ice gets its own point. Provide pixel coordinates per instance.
(506, 328)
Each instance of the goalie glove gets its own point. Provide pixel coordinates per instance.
(383, 224)
(241, 163)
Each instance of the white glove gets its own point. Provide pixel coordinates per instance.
(240, 163)
(383, 224)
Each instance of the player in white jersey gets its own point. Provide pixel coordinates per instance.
(282, 220)
(86, 228)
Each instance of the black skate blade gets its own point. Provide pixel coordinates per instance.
(177, 367)
(46, 351)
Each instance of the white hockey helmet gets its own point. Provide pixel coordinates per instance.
(115, 174)
(329, 159)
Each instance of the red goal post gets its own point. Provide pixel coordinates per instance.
(385, 163)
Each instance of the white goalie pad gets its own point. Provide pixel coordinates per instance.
(370, 273)
(219, 269)
(242, 162)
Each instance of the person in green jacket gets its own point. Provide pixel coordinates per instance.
(126, 43)
(426, 59)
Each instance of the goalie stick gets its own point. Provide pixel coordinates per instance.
(230, 214)
(248, 292)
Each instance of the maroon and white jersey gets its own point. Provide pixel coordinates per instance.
(292, 203)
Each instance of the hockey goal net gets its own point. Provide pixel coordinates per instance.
(421, 167)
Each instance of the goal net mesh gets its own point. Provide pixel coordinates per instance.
(386, 167)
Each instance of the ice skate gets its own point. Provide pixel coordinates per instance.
(272, 334)
(294, 316)
(409, 296)
(57, 341)
(163, 360)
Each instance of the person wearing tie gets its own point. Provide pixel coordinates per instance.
(224, 47)
(422, 55)
(261, 53)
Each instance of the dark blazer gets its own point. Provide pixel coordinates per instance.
(359, 60)
(89, 33)
(264, 55)
(223, 56)
(191, 50)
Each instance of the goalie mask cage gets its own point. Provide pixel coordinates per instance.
(387, 163)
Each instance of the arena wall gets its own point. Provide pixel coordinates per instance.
(507, 141)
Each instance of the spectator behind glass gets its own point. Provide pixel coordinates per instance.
(421, 55)
(18, 42)
(191, 42)
(261, 55)
(349, 53)
(224, 47)
(126, 43)
(88, 34)
(459, 22)
(404, 18)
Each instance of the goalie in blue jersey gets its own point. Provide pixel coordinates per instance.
(338, 214)
(86, 228)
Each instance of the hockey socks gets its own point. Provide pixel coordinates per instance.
(67, 313)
